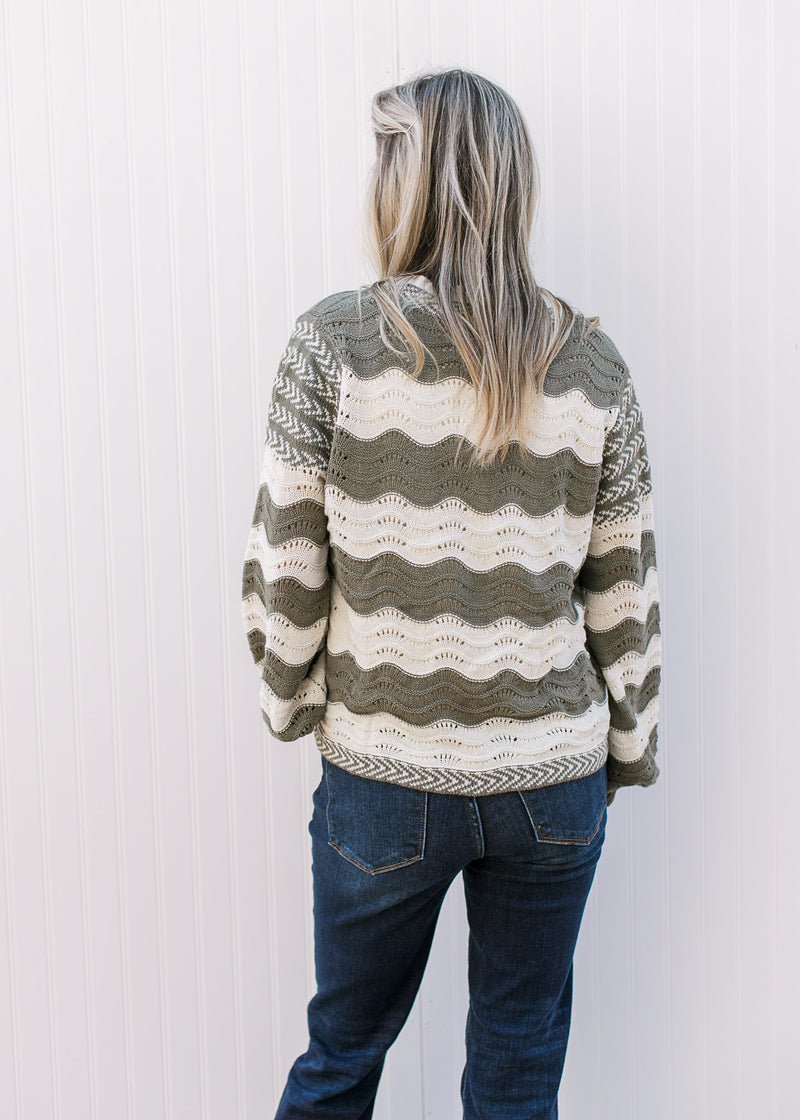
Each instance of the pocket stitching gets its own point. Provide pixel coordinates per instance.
(374, 870)
(541, 833)
(565, 839)
(423, 804)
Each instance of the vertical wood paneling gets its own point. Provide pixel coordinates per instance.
(70, 961)
(39, 606)
(275, 950)
(222, 148)
(154, 1060)
(756, 886)
(781, 360)
(267, 909)
(289, 779)
(106, 903)
(180, 180)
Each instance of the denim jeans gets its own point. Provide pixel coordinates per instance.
(383, 857)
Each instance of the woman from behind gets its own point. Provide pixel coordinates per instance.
(451, 582)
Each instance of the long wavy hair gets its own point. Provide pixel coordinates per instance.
(452, 196)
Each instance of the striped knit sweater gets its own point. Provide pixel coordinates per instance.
(467, 630)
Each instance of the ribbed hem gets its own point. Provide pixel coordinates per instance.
(470, 783)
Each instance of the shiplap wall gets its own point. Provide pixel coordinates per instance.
(179, 178)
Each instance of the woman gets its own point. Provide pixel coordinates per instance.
(473, 639)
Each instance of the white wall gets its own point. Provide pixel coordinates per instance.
(179, 179)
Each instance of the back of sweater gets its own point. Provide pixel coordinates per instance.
(458, 629)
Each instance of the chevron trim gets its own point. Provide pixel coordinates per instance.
(504, 779)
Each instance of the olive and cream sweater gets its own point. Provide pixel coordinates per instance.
(458, 629)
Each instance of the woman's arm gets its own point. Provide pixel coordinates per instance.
(620, 586)
(285, 584)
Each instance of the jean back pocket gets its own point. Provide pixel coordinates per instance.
(378, 826)
(570, 812)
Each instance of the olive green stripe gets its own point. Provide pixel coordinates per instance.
(628, 635)
(642, 772)
(365, 469)
(600, 573)
(285, 680)
(304, 518)
(637, 697)
(304, 720)
(449, 586)
(447, 694)
(302, 605)
(594, 366)
(535, 599)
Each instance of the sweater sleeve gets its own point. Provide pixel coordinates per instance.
(285, 583)
(620, 589)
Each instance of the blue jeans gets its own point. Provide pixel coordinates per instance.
(383, 858)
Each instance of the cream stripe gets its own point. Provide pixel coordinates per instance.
(450, 528)
(287, 483)
(632, 668)
(625, 532)
(625, 600)
(313, 691)
(429, 411)
(300, 558)
(448, 642)
(629, 746)
(295, 645)
(449, 744)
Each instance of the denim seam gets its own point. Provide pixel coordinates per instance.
(423, 813)
(374, 870)
(472, 809)
(541, 833)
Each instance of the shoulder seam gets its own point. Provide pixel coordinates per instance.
(332, 313)
(321, 325)
(601, 351)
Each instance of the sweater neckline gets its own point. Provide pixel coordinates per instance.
(420, 281)
(421, 286)
(422, 291)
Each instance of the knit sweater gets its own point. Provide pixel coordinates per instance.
(453, 628)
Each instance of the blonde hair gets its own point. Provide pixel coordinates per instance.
(452, 196)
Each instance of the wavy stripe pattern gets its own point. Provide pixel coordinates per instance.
(477, 652)
(391, 400)
(446, 627)
(482, 541)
